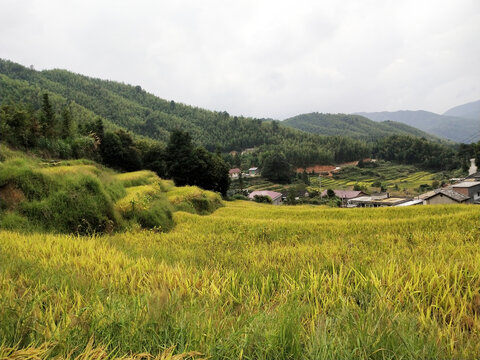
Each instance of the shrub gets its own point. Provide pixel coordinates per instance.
(262, 199)
(157, 216)
(81, 206)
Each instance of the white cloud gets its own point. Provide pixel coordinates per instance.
(261, 58)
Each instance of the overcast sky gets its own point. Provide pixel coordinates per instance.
(260, 58)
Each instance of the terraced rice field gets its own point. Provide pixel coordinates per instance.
(405, 178)
(251, 281)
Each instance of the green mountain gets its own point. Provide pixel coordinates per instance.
(355, 126)
(470, 110)
(449, 127)
(132, 108)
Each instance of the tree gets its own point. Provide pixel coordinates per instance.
(180, 158)
(276, 168)
(47, 118)
(305, 177)
(67, 123)
(291, 197)
(119, 151)
(240, 181)
(330, 193)
(154, 158)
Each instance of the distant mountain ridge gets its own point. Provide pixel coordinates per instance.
(354, 126)
(469, 110)
(455, 128)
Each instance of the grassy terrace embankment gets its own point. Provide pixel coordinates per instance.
(252, 281)
(81, 196)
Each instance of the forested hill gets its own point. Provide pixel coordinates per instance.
(132, 108)
(454, 128)
(354, 126)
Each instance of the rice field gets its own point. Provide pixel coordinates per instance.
(394, 177)
(250, 281)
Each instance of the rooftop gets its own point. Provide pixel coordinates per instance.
(452, 194)
(271, 194)
(411, 202)
(466, 184)
(345, 194)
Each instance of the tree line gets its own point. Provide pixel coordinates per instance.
(55, 134)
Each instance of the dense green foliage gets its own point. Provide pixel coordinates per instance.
(467, 152)
(189, 165)
(354, 126)
(133, 109)
(276, 168)
(79, 114)
(421, 152)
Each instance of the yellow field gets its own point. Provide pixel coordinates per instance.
(251, 281)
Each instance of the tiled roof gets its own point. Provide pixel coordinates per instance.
(234, 171)
(466, 184)
(452, 194)
(345, 194)
(271, 194)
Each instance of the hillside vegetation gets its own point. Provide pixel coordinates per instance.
(355, 126)
(251, 281)
(132, 108)
(81, 196)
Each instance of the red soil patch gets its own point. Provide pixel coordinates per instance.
(329, 169)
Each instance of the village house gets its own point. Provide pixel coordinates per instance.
(276, 197)
(345, 194)
(234, 173)
(253, 171)
(376, 200)
(470, 189)
(443, 196)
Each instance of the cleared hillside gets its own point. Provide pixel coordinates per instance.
(354, 126)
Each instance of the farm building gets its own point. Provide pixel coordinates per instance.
(443, 196)
(376, 200)
(275, 196)
(469, 189)
(345, 194)
(253, 171)
(234, 173)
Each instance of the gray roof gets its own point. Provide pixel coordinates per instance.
(452, 194)
(466, 184)
(411, 202)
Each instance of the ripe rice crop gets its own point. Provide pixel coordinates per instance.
(251, 281)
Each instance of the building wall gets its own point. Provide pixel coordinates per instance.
(439, 199)
(463, 191)
(473, 192)
(277, 201)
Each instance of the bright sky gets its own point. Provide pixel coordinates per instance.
(260, 58)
